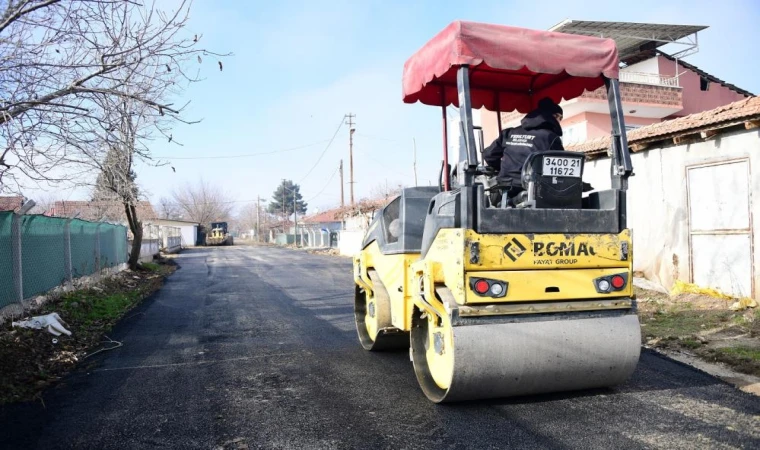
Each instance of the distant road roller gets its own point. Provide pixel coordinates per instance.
(497, 298)
(219, 234)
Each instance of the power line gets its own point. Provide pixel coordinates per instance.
(244, 155)
(323, 152)
(332, 176)
(377, 138)
(325, 187)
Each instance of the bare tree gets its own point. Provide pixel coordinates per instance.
(204, 203)
(246, 218)
(61, 60)
(385, 191)
(168, 209)
(44, 203)
(116, 181)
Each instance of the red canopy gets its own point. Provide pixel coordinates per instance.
(510, 68)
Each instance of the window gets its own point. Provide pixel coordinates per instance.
(574, 134)
(704, 84)
(391, 221)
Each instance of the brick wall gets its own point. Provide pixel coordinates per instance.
(642, 93)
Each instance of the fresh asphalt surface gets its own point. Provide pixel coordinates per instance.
(256, 346)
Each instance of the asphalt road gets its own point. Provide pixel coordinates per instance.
(256, 347)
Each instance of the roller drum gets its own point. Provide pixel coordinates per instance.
(494, 360)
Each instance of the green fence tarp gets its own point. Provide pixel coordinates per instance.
(43, 263)
(43, 254)
(7, 288)
(83, 247)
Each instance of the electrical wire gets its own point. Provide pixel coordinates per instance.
(243, 155)
(340, 125)
(377, 138)
(325, 187)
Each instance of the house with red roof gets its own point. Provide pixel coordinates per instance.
(693, 201)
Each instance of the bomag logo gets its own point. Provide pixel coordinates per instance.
(514, 249)
(563, 249)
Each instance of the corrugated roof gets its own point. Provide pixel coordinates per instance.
(725, 116)
(633, 39)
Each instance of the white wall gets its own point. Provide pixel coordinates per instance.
(350, 242)
(659, 214)
(650, 65)
(358, 223)
(189, 235)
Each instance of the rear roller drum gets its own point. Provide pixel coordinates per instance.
(372, 312)
(531, 356)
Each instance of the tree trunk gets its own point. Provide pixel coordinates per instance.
(136, 227)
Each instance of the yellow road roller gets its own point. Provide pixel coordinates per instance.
(505, 298)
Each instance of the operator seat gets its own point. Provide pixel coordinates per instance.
(553, 179)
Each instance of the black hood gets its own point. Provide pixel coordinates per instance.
(540, 119)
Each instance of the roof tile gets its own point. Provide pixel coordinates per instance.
(721, 117)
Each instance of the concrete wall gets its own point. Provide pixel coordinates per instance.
(350, 242)
(148, 249)
(665, 246)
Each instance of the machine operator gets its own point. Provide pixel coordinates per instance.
(539, 131)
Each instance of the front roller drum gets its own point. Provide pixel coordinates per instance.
(494, 360)
(372, 312)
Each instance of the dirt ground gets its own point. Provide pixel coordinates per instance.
(701, 326)
(30, 359)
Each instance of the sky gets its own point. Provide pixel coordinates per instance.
(298, 67)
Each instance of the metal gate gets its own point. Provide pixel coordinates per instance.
(720, 227)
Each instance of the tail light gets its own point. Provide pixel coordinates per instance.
(485, 287)
(611, 283)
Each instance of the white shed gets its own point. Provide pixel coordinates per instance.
(189, 230)
(690, 203)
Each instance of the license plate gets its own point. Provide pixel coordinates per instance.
(558, 166)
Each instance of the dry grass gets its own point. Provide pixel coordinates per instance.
(31, 360)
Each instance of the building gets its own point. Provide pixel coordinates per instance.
(322, 228)
(112, 211)
(654, 85)
(188, 232)
(11, 202)
(693, 198)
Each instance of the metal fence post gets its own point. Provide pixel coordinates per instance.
(18, 276)
(67, 250)
(97, 248)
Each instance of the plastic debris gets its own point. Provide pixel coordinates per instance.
(743, 303)
(739, 304)
(680, 287)
(51, 322)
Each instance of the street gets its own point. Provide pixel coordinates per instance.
(256, 346)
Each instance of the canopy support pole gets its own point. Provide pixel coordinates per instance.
(468, 158)
(446, 182)
(620, 160)
(498, 113)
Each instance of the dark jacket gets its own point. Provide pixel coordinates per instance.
(538, 131)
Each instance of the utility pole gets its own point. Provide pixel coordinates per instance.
(414, 165)
(351, 130)
(295, 220)
(258, 221)
(342, 202)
